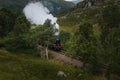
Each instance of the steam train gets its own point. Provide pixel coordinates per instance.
(57, 46)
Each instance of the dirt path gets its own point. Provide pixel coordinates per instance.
(66, 59)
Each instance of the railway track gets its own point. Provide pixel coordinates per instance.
(64, 58)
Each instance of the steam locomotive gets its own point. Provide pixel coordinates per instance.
(57, 46)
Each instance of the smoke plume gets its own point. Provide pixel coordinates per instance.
(37, 14)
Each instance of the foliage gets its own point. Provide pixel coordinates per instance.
(21, 26)
(87, 48)
(21, 36)
(99, 52)
(110, 36)
(110, 15)
(48, 35)
(65, 38)
(14, 26)
(83, 38)
(6, 21)
(43, 35)
(110, 19)
(113, 50)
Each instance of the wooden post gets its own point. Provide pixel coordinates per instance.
(47, 52)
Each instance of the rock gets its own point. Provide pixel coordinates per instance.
(61, 74)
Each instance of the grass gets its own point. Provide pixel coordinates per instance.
(70, 20)
(18, 67)
(21, 66)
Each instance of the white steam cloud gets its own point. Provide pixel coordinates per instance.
(37, 14)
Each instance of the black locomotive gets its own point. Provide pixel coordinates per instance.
(57, 45)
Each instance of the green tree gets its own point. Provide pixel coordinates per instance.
(21, 26)
(110, 36)
(16, 38)
(42, 35)
(110, 19)
(113, 52)
(47, 36)
(65, 38)
(87, 48)
(6, 21)
(83, 40)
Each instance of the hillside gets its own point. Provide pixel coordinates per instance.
(83, 12)
(25, 66)
(54, 6)
(95, 36)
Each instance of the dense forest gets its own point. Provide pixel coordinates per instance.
(90, 34)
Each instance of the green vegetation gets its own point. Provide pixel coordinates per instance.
(22, 66)
(91, 35)
(95, 37)
(19, 35)
(6, 22)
